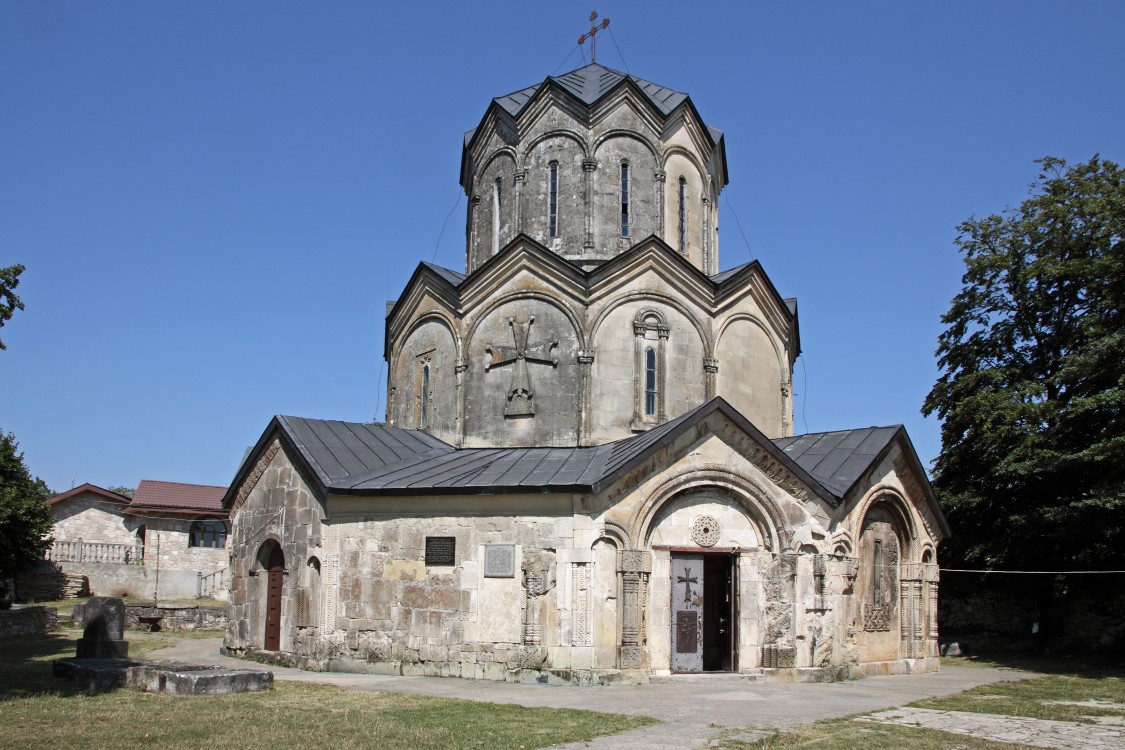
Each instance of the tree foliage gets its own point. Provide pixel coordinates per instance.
(25, 517)
(123, 490)
(1032, 392)
(9, 302)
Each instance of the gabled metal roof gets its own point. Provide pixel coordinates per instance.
(838, 459)
(372, 459)
(589, 84)
(337, 451)
(453, 277)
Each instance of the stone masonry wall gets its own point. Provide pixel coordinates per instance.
(92, 518)
(395, 614)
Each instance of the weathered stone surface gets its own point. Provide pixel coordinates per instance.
(98, 674)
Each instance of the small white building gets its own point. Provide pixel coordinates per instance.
(169, 540)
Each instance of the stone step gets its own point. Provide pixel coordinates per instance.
(750, 675)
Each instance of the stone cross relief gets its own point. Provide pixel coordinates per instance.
(520, 396)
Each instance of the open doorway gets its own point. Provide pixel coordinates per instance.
(704, 613)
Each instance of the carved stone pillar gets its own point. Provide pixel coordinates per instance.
(586, 366)
(538, 579)
(711, 372)
(474, 202)
(709, 264)
(933, 579)
(661, 177)
(589, 166)
(634, 567)
(520, 178)
(459, 370)
(911, 611)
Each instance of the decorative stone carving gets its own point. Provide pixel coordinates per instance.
(520, 396)
(778, 473)
(779, 656)
(634, 568)
(252, 478)
(876, 617)
(331, 586)
(635, 561)
(538, 579)
(705, 531)
(582, 615)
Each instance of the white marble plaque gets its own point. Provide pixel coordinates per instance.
(500, 561)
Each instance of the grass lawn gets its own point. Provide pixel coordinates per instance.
(42, 711)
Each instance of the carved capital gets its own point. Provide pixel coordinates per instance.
(520, 176)
(710, 364)
(660, 176)
(475, 200)
(585, 356)
(589, 165)
(635, 561)
(663, 330)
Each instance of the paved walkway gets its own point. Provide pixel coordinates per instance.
(1066, 735)
(694, 713)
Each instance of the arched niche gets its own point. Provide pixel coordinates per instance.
(704, 517)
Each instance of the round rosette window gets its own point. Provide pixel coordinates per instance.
(705, 531)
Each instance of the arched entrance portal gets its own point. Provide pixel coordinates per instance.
(275, 564)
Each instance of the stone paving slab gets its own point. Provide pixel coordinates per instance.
(1065, 735)
(694, 713)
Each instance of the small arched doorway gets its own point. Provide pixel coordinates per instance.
(275, 565)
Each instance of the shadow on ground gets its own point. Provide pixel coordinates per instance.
(25, 666)
(1094, 664)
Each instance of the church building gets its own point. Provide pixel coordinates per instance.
(588, 471)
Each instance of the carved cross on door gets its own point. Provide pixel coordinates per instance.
(687, 579)
(520, 395)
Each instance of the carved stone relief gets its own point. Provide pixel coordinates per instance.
(520, 402)
(705, 531)
(538, 579)
(581, 605)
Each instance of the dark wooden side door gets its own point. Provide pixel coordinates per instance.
(276, 567)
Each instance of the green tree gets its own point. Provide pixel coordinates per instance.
(123, 490)
(25, 517)
(9, 302)
(1032, 389)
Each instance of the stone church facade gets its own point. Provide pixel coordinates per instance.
(588, 471)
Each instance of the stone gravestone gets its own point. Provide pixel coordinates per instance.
(103, 629)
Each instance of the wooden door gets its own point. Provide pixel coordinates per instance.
(687, 613)
(276, 567)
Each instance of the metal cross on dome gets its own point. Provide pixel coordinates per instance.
(592, 35)
(520, 395)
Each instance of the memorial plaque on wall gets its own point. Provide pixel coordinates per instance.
(500, 561)
(441, 550)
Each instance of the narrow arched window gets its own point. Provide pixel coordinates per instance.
(553, 199)
(425, 395)
(650, 382)
(496, 217)
(624, 199)
(683, 216)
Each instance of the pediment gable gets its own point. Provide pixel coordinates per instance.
(457, 291)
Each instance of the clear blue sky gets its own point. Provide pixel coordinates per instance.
(214, 200)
